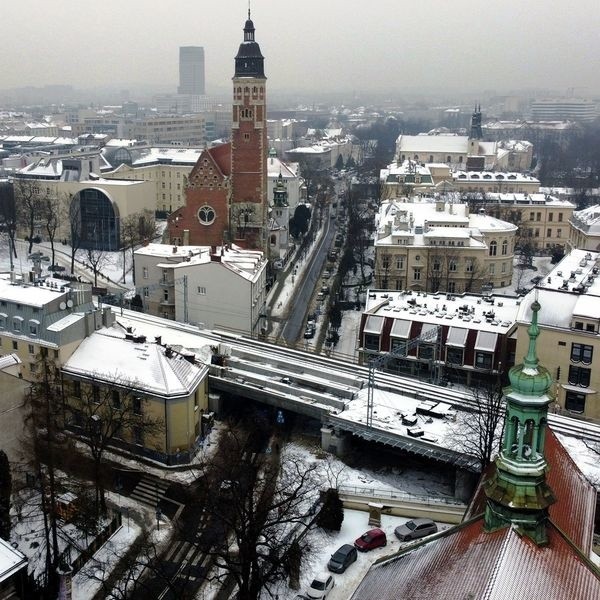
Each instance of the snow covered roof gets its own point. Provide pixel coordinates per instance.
(494, 314)
(433, 143)
(9, 360)
(588, 219)
(571, 289)
(158, 155)
(11, 560)
(106, 355)
(521, 198)
(495, 176)
(426, 220)
(30, 295)
(246, 263)
(288, 170)
(168, 250)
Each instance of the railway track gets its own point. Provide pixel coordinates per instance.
(326, 367)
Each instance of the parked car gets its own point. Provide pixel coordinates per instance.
(414, 529)
(320, 297)
(326, 274)
(309, 332)
(342, 558)
(325, 290)
(321, 586)
(374, 538)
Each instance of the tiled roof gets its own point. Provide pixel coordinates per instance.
(467, 562)
(222, 156)
(575, 507)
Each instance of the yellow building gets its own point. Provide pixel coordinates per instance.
(569, 320)
(115, 374)
(166, 169)
(543, 220)
(433, 245)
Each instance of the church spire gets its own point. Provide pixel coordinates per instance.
(476, 131)
(249, 61)
(517, 492)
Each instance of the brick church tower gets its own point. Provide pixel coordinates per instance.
(249, 204)
(226, 194)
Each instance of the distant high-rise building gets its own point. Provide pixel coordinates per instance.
(191, 70)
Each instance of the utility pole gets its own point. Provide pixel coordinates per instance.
(185, 299)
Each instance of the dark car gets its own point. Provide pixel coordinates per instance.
(342, 558)
(374, 538)
(414, 529)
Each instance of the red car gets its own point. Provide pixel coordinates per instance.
(374, 538)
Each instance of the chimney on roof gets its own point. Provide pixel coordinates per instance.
(174, 249)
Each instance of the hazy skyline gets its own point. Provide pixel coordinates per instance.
(324, 45)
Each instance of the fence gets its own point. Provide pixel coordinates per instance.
(397, 495)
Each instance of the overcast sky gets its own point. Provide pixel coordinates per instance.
(324, 45)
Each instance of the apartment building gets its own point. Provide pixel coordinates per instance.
(464, 338)
(215, 287)
(569, 322)
(429, 244)
(50, 318)
(543, 220)
(120, 372)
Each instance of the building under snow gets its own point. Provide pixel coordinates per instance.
(584, 229)
(432, 245)
(124, 382)
(217, 287)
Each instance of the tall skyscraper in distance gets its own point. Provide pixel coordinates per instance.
(191, 71)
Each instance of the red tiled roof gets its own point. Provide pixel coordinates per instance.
(467, 562)
(575, 507)
(221, 154)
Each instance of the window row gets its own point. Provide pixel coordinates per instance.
(454, 356)
(17, 324)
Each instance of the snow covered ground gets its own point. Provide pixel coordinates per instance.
(332, 471)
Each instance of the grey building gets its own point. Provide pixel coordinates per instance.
(191, 71)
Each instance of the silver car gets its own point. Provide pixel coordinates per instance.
(414, 529)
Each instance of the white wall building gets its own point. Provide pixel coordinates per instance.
(217, 288)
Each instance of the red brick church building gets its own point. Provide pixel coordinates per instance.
(226, 195)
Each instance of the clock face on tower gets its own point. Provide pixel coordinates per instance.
(206, 215)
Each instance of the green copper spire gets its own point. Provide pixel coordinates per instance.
(529, 378)
(517, 491)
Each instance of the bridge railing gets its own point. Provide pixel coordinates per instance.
(354, 490)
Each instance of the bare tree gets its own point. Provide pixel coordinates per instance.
(262, 501)
(478, 432)
(136, 229)
(74, 219)
(128, 573)
(8, 217)
(42, 447)
(97, 259)
(475, 275)
(51, 214)
(102, 414)
(29, 206)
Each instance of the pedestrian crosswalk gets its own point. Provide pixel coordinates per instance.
(150, 490)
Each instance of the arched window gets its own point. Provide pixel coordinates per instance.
(206, 214)
(493, 248)
(504, 247)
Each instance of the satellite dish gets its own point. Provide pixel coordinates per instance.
(62, 306)
(70, 303)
